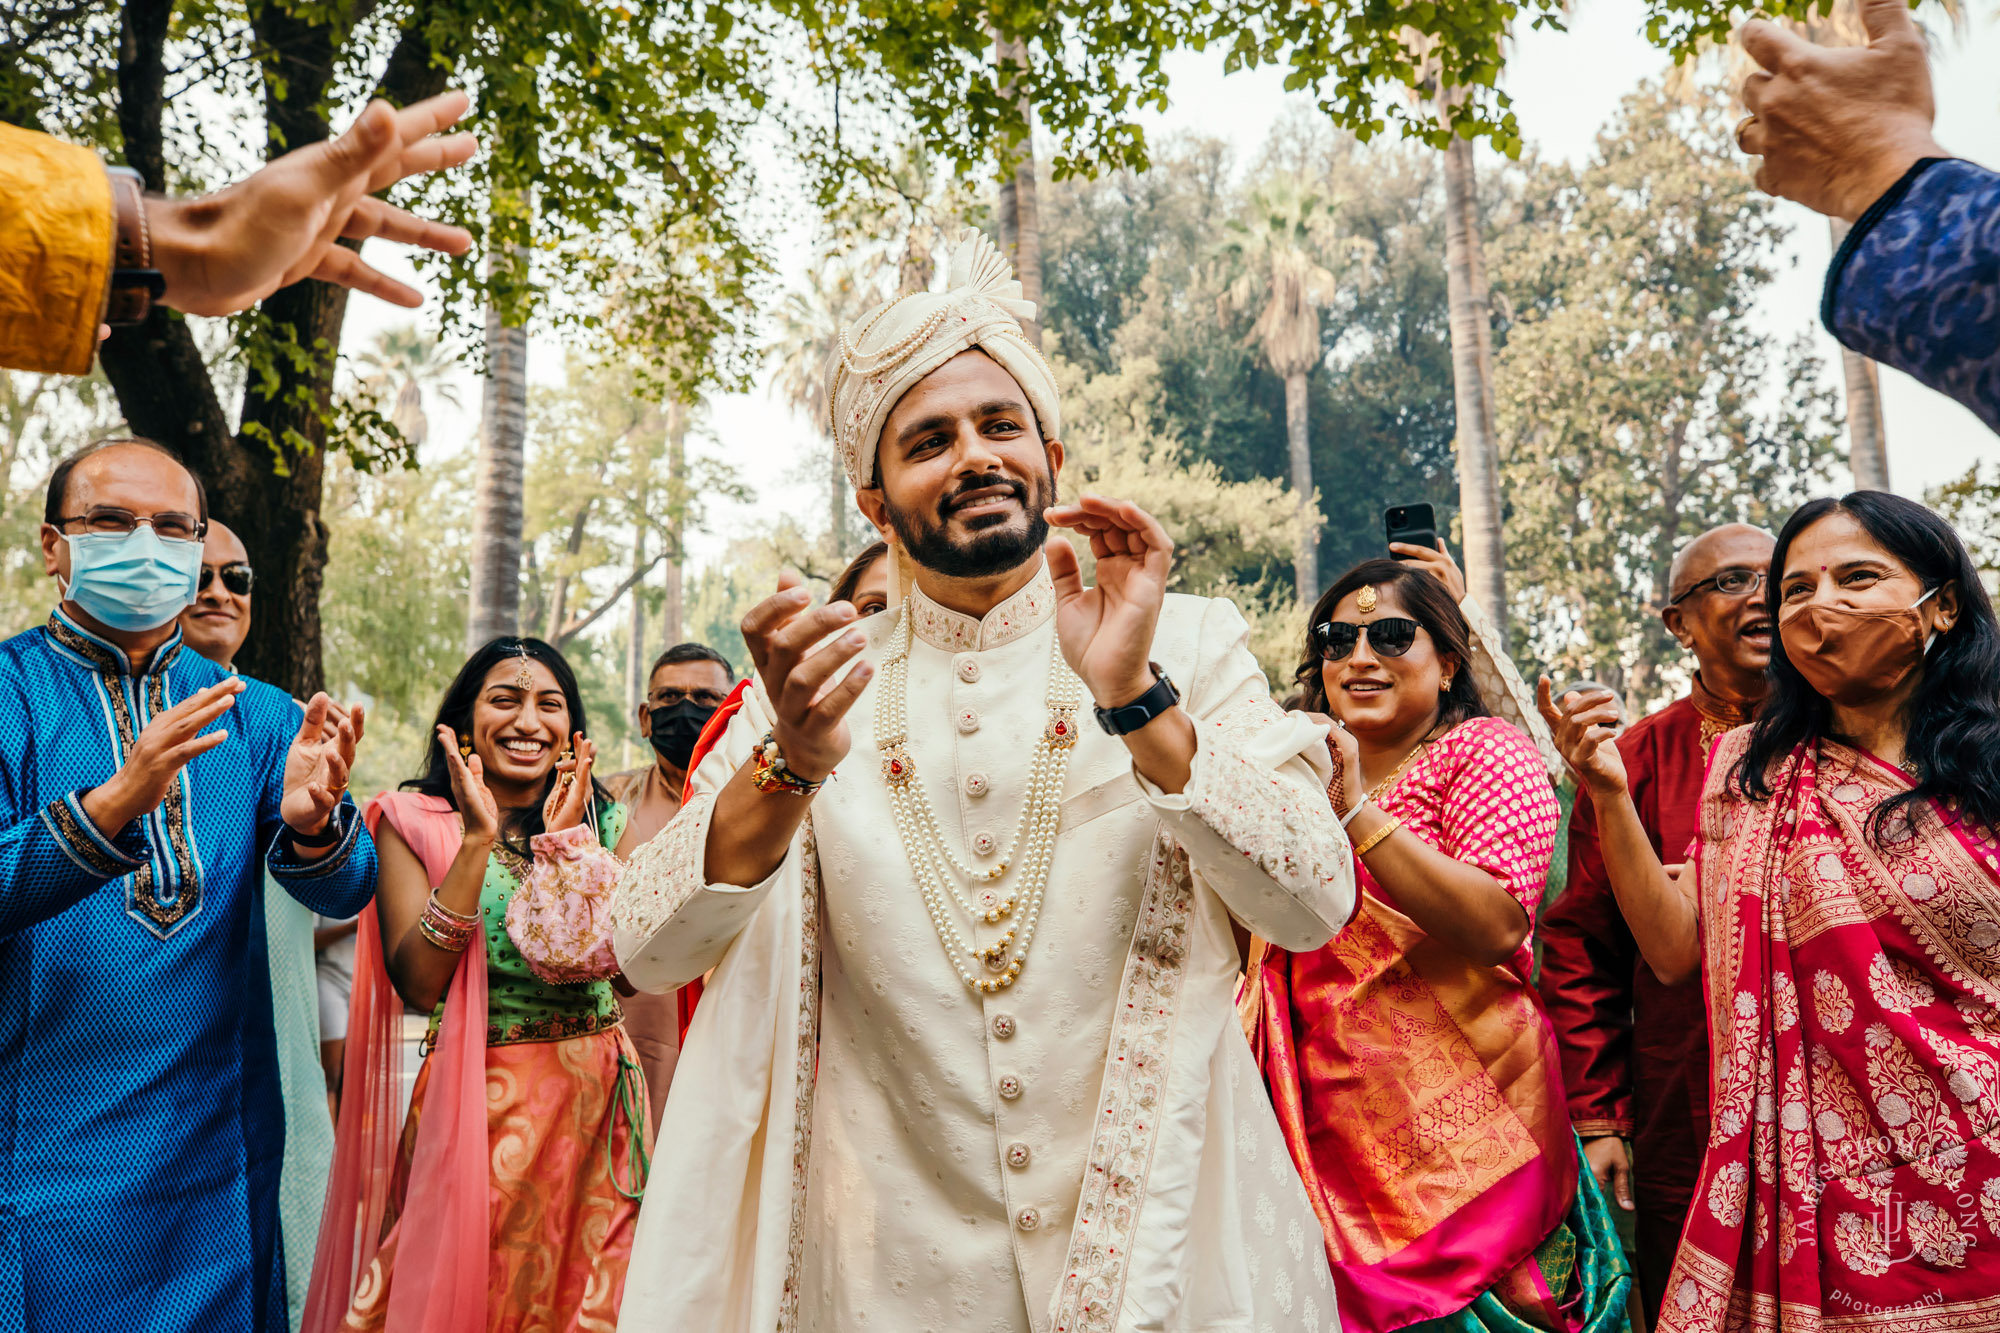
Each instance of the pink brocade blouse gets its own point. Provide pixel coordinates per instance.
(1481, 795)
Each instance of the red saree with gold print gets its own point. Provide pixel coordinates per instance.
(1852, 1177)
(1421, 1094)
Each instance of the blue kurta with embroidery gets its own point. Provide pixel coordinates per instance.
(1916, 285)
(141, 1128)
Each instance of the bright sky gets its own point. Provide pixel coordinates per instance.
(1565, 86)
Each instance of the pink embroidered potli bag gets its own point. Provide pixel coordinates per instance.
(560, 918)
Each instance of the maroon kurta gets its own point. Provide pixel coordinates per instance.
(1635, 1052)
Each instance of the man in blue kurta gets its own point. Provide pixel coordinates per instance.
(143, 793)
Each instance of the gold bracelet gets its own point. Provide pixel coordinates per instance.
(1368, 843)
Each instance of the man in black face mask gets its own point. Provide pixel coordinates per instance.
(688, 683)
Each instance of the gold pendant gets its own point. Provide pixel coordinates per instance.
(1365, 599)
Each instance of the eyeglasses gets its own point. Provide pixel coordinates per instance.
(168, 525)
(237, 577)
(669, 697)
(1729, 582)
(1391, 636)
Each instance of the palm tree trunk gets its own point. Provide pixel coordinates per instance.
(1305, 554)
(673, 611)
(497, 488)
(635, 631)
(1867, 442)
(1020, 207)
(1478, 453)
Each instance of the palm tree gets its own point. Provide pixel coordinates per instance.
(411, 361)
(809, 325)
(1472, 384)
(673, 611)
(495, 603)
(1020, 206)
(1282, 253)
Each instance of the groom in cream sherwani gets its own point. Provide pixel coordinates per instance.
(967, 873)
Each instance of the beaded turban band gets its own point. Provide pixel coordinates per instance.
(899, 342)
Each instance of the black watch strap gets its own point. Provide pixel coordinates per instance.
(1128, 719)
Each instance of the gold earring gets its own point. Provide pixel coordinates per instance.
(1445, 687)
(464, 745)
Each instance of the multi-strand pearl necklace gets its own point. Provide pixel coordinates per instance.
(938, 868)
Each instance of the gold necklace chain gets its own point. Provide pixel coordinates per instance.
(937, 867)
(1375, 792)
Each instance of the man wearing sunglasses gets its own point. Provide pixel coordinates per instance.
(147, 793)
(219, 621)
(1634, 1051)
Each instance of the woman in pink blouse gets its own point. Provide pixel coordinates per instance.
(1412, 1071)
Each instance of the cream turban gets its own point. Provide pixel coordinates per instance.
(899, 342)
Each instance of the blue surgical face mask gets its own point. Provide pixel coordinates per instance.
(131, 581)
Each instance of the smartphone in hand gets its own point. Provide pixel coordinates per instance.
(1414, 524)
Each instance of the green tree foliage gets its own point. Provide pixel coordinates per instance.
(1640, 401)
(1133, 274)
(1972, 504)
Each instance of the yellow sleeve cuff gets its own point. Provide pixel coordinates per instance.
(55, 252)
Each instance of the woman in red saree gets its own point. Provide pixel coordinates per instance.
(1844, 910)
(1414, 1076)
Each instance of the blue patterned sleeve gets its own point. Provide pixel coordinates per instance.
(56, 857)
(1916, 285)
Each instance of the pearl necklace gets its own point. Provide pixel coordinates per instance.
(938, 868)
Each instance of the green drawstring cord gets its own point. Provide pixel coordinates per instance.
(627, 1097)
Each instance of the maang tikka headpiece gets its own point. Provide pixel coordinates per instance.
(524, 679)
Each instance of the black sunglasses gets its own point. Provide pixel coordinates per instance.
(1391, 636)
(237, 578)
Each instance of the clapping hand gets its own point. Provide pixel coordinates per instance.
(477, 810)
(319, 762)
(788, 640)
(569, 799)
(1584, 727)
(1107, 630)
(156, 758)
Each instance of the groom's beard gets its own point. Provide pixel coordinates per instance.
(999, 543)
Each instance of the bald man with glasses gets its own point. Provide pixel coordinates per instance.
(1634, 1051)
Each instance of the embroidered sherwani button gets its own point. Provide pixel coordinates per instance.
(976, 784)
(1027, 1219)
(1017, 1155)
(1010, 1087)
(968, 669)
(983, 843)
(1003, 1026)
(968, 721)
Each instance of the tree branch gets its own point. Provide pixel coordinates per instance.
(582, 623)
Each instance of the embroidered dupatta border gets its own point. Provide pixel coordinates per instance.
(807, 1054)
(1135, 1075)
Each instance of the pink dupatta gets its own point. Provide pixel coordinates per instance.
(1852, 1178)
(444, 1251)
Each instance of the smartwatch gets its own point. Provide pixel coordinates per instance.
(1128, 719)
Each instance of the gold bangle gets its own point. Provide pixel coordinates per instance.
(1368, 843)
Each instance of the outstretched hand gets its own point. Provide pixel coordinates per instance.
(1107, 630)
(319, 763)
(223, 252)
(1838, 125)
